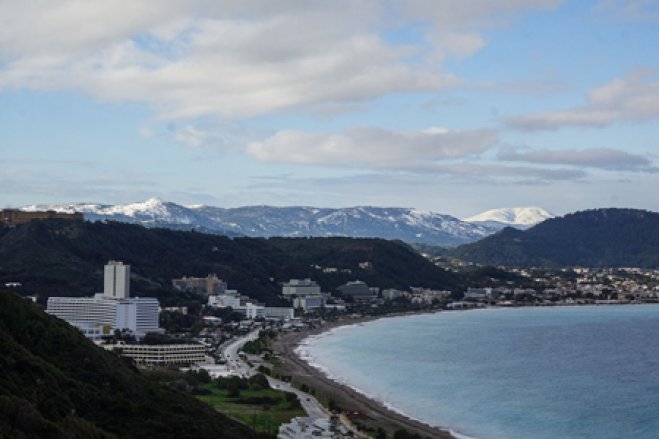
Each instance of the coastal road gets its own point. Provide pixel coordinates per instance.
(310, 404)
(313, 408)
(230, 354)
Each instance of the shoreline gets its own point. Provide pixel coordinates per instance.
(378, 413)
(375, 413)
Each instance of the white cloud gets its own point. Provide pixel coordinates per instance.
(634, 98)
(191, 137)
(372, 147)
(220, 135)
(236, 58)
(499, 174)
(601, 158)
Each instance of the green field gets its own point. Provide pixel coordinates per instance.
(262, 410)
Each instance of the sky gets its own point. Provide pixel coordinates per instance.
(453, 106)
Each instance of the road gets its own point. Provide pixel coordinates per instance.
(310, 404)
(230, 354)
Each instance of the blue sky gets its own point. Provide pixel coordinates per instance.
(455, 106)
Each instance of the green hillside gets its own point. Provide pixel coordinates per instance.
(594, 238)
(54, 383)
(66, 258)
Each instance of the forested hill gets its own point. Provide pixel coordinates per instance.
(593, 238)
(54, 383)
(66, 258)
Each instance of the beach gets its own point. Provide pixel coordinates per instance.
(369, 413)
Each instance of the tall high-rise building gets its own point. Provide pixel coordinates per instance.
(116, 282)
(111, 310)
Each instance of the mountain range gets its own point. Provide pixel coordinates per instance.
(406, 224)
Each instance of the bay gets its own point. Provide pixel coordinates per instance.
(572, 372)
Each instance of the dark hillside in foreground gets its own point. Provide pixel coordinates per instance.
(593, 238)
(54, 383)
(66, 258)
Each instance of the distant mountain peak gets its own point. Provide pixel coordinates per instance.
(512, 216)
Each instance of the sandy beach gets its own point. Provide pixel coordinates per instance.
(372, 414)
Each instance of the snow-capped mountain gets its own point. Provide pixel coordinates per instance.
(152, 212)
(518, 217)
(410, 225)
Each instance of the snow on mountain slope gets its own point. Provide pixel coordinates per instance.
(410, 225)
(153, 211)
(521, 217)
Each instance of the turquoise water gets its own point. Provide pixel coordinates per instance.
(564, 372)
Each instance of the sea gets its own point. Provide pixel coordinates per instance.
(545, 372)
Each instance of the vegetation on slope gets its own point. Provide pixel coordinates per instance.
(594, 238)
(54, 383)
(66, 258)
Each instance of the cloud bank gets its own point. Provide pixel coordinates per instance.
(602, 158)
(235, 59)
(372, 147)
(631, 99)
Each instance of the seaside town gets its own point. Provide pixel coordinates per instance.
(225, 341)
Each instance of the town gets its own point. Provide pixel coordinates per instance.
(225, 335)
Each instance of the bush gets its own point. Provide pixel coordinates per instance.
(233, 389)
(234, 381)
(203, 376)
(258, 382)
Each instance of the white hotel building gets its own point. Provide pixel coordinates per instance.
(111, 310)
(162, 355)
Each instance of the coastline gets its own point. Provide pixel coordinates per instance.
(374, 413)
(377, 413)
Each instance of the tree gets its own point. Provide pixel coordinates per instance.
(233, 389)
(203, 376)
(259, 382)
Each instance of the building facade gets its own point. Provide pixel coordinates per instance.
(224, 301)
(104, 313)
(358, 290)
(309, 303)
(116, 280)
(275, 312)
(139, 315)
(300, 287)
(162, 355)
